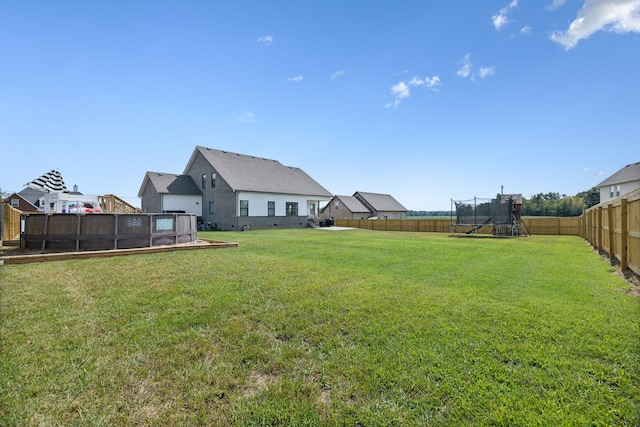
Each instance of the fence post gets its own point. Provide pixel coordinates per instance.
(624, 231)
(612, 235)
(599, 230)
(591, 223)
(1, 222)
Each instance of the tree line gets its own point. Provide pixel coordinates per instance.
(556, 204)
(543, 204)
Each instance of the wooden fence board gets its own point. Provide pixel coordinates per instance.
(614, 228)
(554, 226)
(11, 223)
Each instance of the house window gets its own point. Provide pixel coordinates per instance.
(617, 190)
(337, 205)
(292, 208)
(271, 208)
(211, 207)
(611, 191)
(244, 208)
(204, 180)
(213, 180)
(15, 203)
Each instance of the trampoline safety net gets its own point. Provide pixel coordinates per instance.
(499, 216)
(484, 211)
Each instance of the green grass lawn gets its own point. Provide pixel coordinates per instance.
(319, 327)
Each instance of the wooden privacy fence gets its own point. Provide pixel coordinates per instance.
(432, 225)
(10, 223)
(542, 225)
(613, 227)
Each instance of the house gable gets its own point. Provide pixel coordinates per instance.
(167, 192)
(382, 205)
(248, 173)
(169, 183)
(379, 202)
(621, 182)
(346, 207)
(18, 202)
(32, 195)
(628, 173)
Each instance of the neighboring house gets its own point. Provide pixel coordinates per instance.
(346, 207)
(237, 191)
(382, 206)
(31, 198)
(170, 193)
(17, 201)
(48, 193)
(621, 182)
(365, 205)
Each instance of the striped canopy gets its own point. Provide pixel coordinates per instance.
(50, 182)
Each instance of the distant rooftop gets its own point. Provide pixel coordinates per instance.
(628, 173)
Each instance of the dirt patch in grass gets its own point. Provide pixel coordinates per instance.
(633, 280)
(257, 383)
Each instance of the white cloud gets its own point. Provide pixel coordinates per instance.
(500, 19)
(428, 82)
(400, 91)
(487, 71)
(619, 16)
(297, 78)
(464, 65)
(245, 117)
(466, 69)
(337, 74)
(525, 30)
(556, 4)
(265, 40)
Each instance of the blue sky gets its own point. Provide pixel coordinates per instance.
(425, 100)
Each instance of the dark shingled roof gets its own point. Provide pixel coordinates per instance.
(628, 173)
(381, 202)
(249, 173)
(31, 194)
(354, 205)
(169, 183)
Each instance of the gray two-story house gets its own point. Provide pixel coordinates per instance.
(234, 191)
